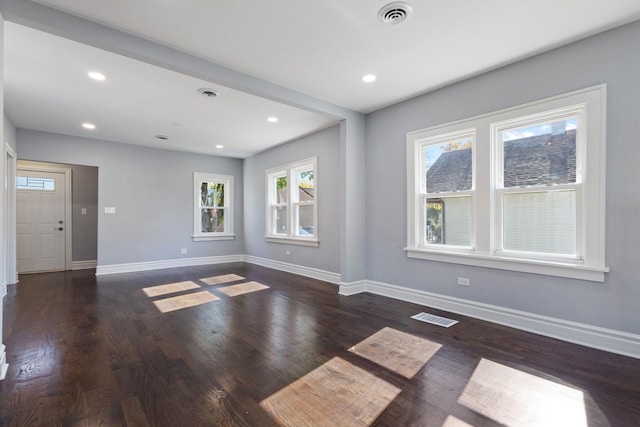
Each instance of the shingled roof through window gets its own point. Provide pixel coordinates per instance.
(537, 160)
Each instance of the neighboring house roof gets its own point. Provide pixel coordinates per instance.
(537, 160)
(450, 172)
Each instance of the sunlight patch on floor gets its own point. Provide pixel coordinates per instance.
(225, 278)
(171, 288)
(400, 352)
(242, 288)
(515, 398)
(184, 301)
(452, 421)
(336, 394)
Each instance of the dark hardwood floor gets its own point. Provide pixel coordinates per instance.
(286, 350)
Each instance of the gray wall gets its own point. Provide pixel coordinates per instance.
(3, 285)
(326, 146)
(152, 191)
(84, 194)
(612, 58)
(9, 133)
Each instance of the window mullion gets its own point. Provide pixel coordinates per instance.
(291, 208)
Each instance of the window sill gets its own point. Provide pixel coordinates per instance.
(212, 238)
(293, 241)
(557, 269)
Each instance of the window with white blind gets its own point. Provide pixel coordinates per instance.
(519, 189)
(538, 185)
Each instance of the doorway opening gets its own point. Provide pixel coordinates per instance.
(56, 217)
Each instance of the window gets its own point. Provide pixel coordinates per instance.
(538, 185)
(447, 189)
(213, 207)
(35, 183)
(520, 189)
(291, 211)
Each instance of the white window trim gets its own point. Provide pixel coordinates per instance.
(228, 233)
(591, 200)
(578, 111)
(289, 170)
(424, 195)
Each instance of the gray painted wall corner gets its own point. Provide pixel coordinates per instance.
(326, 146)
(151, 190)
(613, 58)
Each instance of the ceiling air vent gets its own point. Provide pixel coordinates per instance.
(209, 93)
(394, 13)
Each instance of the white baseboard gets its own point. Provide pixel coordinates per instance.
(169, 263)
(352, 288)
(84, 265)
(314, 273)
(591, 336)
(3, 362)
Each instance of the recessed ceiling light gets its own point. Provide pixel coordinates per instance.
(369, 78)
(272, 119)
(219, 146)
(162, 137)
(97, 76)
(90, 126)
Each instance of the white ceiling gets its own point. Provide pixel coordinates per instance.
(317, 48)
(47, 89)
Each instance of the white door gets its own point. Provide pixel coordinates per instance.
(40, 227)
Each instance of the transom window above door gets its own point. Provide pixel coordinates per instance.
(35, 183)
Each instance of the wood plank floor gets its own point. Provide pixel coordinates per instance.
(243, 345)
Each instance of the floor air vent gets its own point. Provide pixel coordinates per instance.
(435, 320)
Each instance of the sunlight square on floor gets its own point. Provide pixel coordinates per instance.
(515, 398)
(242, 288)
(335, 394)
(184, 301)
(154, 291)
(223, 278)
(452, 421)
(400, 352)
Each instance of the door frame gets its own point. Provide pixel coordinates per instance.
(11, 275)
(53, 168)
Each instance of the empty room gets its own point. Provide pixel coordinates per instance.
(320, 213)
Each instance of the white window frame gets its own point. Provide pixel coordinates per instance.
(227, 181)
(577, 111)
(290, 171)
(589, 263)
(424, 195)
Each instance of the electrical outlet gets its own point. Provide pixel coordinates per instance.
(287, 252)
(83, 211)
(463, 281)
(183, 251)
